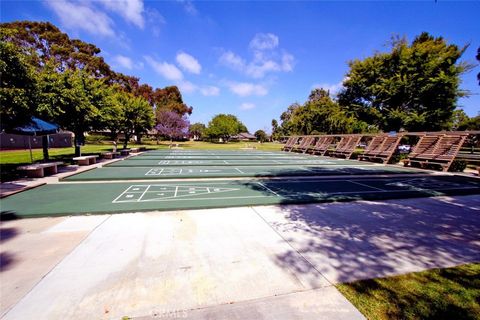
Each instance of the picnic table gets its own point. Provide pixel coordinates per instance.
(39, 170)
(85, 160)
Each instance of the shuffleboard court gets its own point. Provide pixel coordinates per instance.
(166, 172)
(222, 157)
(96, 198)
(218, 162)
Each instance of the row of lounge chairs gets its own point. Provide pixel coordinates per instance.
(432, 150)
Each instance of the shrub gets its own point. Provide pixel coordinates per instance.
(458, 166)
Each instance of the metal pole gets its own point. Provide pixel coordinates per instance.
(30, 147)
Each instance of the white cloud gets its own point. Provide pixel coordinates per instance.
(232, 61)
(210, 91)
(264, 41)
(165, 69)
(288, 62)
(266, 58)
(124, 62)
(247, 106)
(244, 89)
(259, 70)
(130, 10)
(188, 63)
(80, 16)
(187, 86)
(189, 7)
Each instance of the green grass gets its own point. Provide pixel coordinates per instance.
(10, 160)
(451, 293)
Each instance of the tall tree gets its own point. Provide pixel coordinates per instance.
(478, 58)
(170, 98)
(72, 99)
(197, 130)
(224, 126)
(18, 88)
(261, 135)
(321, 114)
(414, 86)
(42, 42)
(136, 115)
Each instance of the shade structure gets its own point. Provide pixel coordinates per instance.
(36, 127)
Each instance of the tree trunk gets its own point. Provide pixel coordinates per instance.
(139, 138)
(45, 148)
(125, 143)
(79, 140)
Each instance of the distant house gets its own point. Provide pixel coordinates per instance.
(244, 136)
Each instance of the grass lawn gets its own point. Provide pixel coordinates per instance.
(451, 293)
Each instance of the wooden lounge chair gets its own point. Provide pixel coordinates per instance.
(322, 145)
(382, 148)
(346, 146)
(303, 146)
(373, 148)
(438, 150)
(290, 143)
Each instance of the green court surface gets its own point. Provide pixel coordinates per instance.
(138, 173)
(95, 198)
(223, 157)
(219, 162)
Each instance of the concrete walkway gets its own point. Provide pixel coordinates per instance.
(274, 262)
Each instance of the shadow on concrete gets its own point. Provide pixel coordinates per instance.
(6, 261)
(7, 234)
(364, 240)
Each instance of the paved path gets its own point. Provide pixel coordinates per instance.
(274, 262)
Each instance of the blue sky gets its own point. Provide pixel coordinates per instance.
(249, 58)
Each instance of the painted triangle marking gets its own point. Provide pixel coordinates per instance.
(181, 191)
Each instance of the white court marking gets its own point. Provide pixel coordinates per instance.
(166, 192)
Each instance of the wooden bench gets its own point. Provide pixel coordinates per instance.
(109, 155)
(124, 152)
(85, 160)
(438, 150)
(39, 170)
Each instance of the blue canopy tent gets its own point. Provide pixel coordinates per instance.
(35, 127)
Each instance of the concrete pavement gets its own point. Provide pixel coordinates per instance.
(272, 262)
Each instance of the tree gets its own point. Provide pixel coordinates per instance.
(42, 42)
(478, 58)
(276, 130)
(72, 99)
(197, 130)
(459, 118)
(261, 135)
(171, 125)
(414, 87)
(170, 99)
(135, 115)
(224, 126)
(321, 114)
(18, 88)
